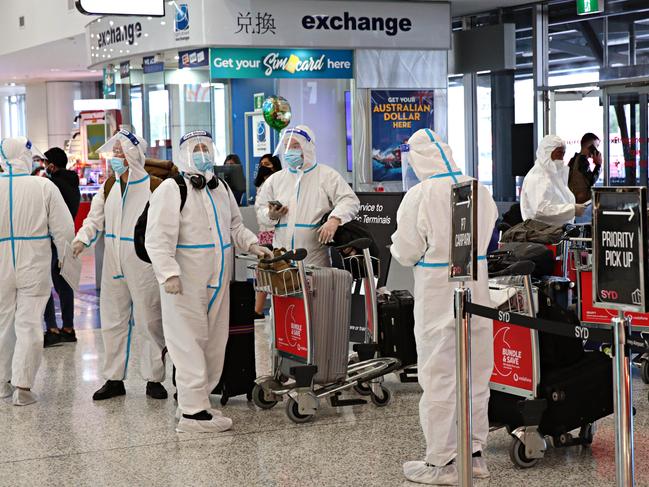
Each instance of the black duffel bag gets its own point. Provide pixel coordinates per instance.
(511, 252)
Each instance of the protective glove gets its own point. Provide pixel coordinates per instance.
(77, 247)
(275, 213)
(261, 251)
(327, 231)
(173, 285)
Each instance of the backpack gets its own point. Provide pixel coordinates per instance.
(139, 234)
(350, 231)
(578, 183)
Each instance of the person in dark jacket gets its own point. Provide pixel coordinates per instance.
(68, 184)
(582, 178)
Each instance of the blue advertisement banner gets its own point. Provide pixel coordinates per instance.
(281, 63)
(396, 115)
(194, 58)
(149, 65)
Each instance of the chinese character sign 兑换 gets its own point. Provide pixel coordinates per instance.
(255, 23)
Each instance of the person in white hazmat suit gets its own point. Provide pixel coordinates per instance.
(307, 191)
(32, 213)
(422, 241)
(130, 297)
(192, 255)
(545, 195)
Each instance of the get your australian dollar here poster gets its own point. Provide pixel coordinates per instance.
(396, 115)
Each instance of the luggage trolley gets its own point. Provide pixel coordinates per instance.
(581, 249)
(295, 348)
(518, 402)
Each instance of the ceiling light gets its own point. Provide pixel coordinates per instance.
(176, 58)
(162, 22)
(111, 23)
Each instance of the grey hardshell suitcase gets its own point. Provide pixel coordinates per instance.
(330, 294)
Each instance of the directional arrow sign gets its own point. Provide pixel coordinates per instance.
(620, 248)
(463, 258)
(629, 213)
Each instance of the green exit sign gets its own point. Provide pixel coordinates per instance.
(585, 7)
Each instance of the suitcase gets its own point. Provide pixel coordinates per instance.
(239, 374)
(575, 396)
(557, 351)
(397, 327)
(330, 318)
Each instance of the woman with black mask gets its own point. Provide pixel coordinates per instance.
(268, 165)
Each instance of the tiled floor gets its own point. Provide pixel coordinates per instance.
(67, 440)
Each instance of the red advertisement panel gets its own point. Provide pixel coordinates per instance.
(590, 314)
(290, 326)
(513, 362)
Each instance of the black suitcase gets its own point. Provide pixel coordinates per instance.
(239, 373)
(397, 327)
(557, 351)
(558, 289)
(575, 396)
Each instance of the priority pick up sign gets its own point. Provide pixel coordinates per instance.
(620, 248)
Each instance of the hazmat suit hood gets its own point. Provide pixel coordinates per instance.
(544, 155)
(197, 149)
(300, 136)
(16, 155)
(428, 156)
(134, 149)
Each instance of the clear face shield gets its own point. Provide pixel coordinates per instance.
(198, 154)
(122, 151)
(408, 176)
(292, 147)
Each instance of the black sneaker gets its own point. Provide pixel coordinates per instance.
(112, 388)
(51, 339)
(155, 390)
(260, 316)
(68, 336)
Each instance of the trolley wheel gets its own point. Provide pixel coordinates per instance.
(363, 389)
(644, 371)
(293, 412)
(518, 457)
(382, 401)
(587, 434)
(259, 399)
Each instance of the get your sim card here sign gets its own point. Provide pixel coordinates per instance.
(281, 63)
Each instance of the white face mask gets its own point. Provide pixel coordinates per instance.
(559, 163)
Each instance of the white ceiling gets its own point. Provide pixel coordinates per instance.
(60, 60)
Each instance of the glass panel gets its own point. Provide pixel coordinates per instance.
(456, 122)
(576, 117)
(158, 120)
(136, 110)
(624, 116)
(221, 122)
(485, 143)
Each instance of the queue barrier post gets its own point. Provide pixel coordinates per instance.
(464, 460)
(623, 408)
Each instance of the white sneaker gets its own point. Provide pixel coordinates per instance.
(217, 424)
(212, 411)
(423, 473)
(480, 470)
(6, 390)
(23, 397)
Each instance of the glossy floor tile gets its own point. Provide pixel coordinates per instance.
(66, 439)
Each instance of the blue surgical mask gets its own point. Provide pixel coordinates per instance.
(294, 158)
(202, 162)
(117, 163)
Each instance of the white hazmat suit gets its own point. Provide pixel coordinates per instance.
(32, 213)
(195, 245)
(309, 192)
(130, 297)
(422, 241)
(545, 195)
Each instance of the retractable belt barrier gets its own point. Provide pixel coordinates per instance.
(599, 335)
